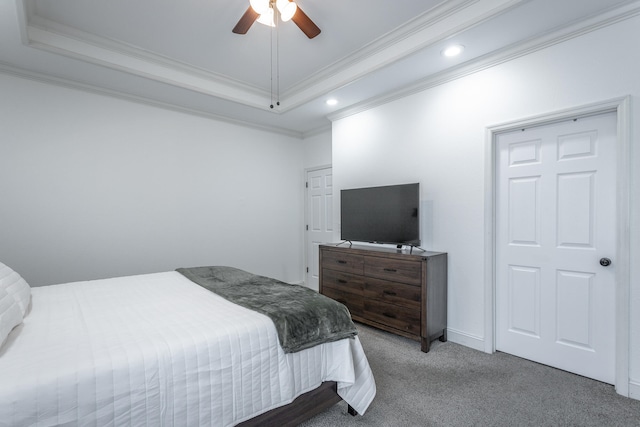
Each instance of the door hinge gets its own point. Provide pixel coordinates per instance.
(307, 269)
(307, 227)
(306, 184)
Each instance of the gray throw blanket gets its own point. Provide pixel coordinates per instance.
(303, 318)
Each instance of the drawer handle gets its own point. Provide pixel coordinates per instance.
(391, 293)
(341, 261)
(342, 281)
(390, 270)
(391, 315)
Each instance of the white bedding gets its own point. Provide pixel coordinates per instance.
(156, 350)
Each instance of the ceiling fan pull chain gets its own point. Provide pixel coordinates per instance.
(277, 12)
(271, 63)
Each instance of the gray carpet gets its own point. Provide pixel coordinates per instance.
(453, 385)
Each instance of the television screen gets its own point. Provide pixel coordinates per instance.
(388, 214)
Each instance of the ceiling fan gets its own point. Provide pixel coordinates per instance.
(265, 11)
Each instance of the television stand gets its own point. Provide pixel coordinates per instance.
(397, 291)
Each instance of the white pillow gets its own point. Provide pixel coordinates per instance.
(15, 286)
(10, 315)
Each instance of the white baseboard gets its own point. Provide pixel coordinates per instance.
(634, 390)
(463, 338)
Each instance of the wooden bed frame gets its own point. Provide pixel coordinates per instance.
(302, 408)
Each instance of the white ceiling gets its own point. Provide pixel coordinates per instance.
(182, 54)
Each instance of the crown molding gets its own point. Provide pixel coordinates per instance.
(431, 27)
(71, 84)
(498, 57)
(47, 26)
(382, 43)
(135, 61)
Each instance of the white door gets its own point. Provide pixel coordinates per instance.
(555, 224)
(319, 219)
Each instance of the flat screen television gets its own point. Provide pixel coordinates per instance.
(388, 214)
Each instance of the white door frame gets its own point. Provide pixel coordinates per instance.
(621, 106)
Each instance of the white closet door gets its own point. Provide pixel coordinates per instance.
(319, 219)
(555, 224)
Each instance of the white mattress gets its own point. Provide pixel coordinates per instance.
(156, 350)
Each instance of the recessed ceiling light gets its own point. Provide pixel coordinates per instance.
(332, 101)
(454, 50)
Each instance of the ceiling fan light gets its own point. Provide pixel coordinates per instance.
(287, 9)
(267, 18)
(260, 6)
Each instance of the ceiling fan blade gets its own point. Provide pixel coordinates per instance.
(246, 21)
(305, 23)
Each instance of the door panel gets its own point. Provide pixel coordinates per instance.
(524, 211)
(576, 209)
(555, 218)
(575, 304)
(524, 300)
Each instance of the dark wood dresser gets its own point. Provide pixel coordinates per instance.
(400, 292)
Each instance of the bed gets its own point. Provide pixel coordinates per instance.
(159, 349)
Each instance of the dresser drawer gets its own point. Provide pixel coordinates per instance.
(393, 269)
(395, 316)
(393, 292)
(353, 303)
(344, 282)
(343, 262)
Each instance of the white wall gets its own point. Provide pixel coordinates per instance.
(317, 150)
(437, 137)
(93, 186)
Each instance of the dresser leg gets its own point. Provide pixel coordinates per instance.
(425, 343)
(351, 411)
(443, 337)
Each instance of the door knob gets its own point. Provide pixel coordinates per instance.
(605, 262)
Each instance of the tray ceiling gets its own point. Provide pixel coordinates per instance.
(183, 55)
